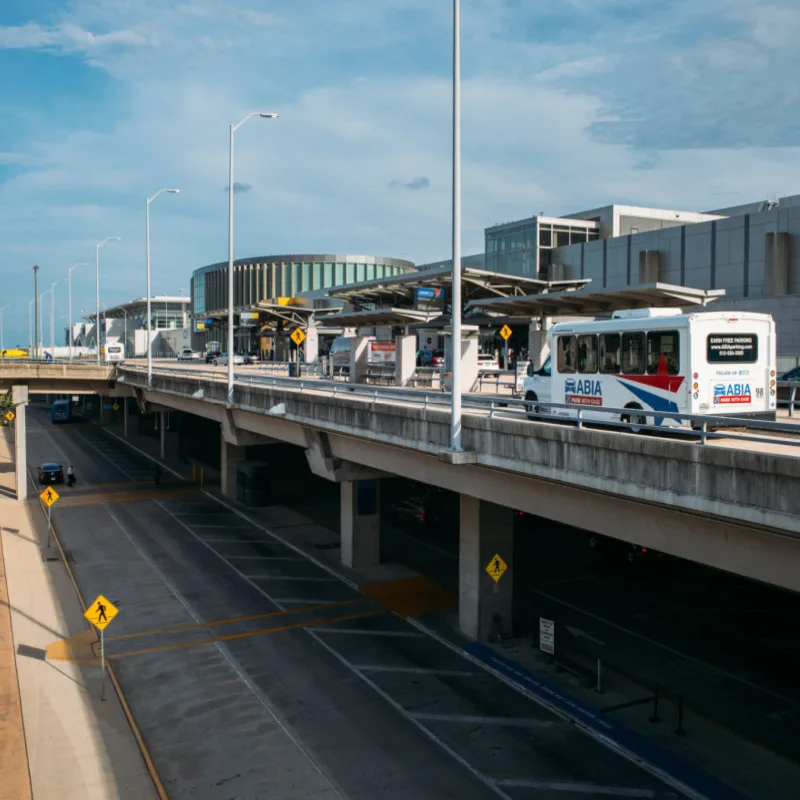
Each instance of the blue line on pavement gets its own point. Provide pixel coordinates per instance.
(632, 742)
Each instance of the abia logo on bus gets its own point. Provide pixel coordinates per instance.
(583, 392)
(727, 393)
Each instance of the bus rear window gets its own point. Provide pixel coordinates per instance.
(724, 348)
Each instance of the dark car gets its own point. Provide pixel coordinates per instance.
(252, 358)
(211, 355)
(51, 473)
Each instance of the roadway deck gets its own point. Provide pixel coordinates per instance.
(255, 672)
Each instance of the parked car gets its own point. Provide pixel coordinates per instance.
(51, 473)
(785, 392)
(222, 360)
(430, 358)
(488, 363)
(187, 354)
(252, 358)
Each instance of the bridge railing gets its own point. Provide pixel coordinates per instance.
(696, 427)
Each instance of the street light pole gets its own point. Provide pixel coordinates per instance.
(455, 296)
(69, 292)
(234, 128)
(147, 249)
(8, 305)
(97, 290)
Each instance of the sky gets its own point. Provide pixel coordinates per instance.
(567, 105)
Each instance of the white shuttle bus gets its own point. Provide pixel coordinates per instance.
(717, 363)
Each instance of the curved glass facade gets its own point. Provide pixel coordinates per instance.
(268, 277)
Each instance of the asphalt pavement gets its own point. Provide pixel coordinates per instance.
(255, 673)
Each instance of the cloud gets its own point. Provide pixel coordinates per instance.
(66, 37)
(415, 184)
(240, 188)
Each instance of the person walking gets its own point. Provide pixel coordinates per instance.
(70, 475)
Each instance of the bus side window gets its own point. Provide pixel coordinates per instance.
(633, 354)
(609, 353)
(566, 354)
(587, 354)
(662, 349)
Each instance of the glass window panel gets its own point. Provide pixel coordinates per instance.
(587, 354)
(566, 353)
(298, 278)
(360, 273)
(339, 274)
(633, 360)
(316, 277)
(351, 273)
(662, 353)
(545, 237)
(609, 353)
(370, 272)
(327, 275)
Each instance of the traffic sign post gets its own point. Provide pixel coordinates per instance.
(496, 569)
(101, 613)
(505, 332)
(547, 636)
(49, 497)
(298, 337)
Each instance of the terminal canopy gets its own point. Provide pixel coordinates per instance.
(595, 303)
(401, 292)
(394, 317)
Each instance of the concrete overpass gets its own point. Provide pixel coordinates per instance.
(730, 508)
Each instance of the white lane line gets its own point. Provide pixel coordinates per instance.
(366, 632)
(290, 578)
(484, 779)
(469, 719)
(581, 788)
(669, 649)
(262, 558)
(447, 673)
(225, 653)
(103, 455)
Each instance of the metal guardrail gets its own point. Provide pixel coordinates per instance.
(695, 426)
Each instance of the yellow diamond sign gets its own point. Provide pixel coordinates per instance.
(496, 568)
(505, 332)
(101, 612)
(115, 407)
(297, 336)
(49, 496)
(10, 415)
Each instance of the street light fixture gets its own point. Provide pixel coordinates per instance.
(8, 305)
(69, 292)
(455, 294)
(147, 248)
(97, 290)
(53, 314)
(234, 128)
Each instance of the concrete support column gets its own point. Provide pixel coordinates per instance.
(101, 401)
(538, 349)
(230, 455)
(311, 345)
(405, 359)
(163, 434)
(360, 523)
(485, 606)
(359, 358)
(19, 394)
(125, 417)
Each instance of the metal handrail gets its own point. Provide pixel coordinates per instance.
(702, 424)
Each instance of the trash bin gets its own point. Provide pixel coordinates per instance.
(292, 369)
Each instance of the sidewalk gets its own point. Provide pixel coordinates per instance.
(78, 747)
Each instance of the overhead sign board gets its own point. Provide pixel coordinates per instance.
(248, 318)
(547, 636)
(430, 293)
(101, 613)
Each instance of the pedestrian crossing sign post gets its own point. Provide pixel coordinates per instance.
(505, 332)
(49, 496)
(101, 613)
(297, 336)
(496, 568)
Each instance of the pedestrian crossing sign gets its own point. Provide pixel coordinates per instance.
(297, 336)
(10, 415)
(49, 496)
(101, 612)
(505, 332)
(496, 568)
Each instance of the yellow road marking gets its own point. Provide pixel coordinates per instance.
(410, 597)
(231, 636)
(179, 628)
(122, 497)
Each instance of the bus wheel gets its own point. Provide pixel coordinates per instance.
(634, 420)
(530, 408)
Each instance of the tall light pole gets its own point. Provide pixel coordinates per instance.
(234, 128)
(97, 289)
(69, 292)
(455, 295)
(53, 315)
(147, 248)
(8, 305)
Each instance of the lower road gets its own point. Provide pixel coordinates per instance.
(253, 672)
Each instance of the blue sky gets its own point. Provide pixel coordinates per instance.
(574, 104)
